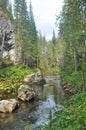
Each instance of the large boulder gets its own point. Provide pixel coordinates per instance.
(8, 105)
(26, 93)
(34, 78)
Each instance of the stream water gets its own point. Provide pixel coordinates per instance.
(50, 97)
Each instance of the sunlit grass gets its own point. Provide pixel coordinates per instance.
(12, 77)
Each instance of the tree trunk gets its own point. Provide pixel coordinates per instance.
(75, 57)
(75, 60)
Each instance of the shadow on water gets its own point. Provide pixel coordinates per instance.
(49, 96)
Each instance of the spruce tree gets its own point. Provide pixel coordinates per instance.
(26, 32)
(3, 4)
(54, 46)
(6, 6)
(21, 25)
(54, 38)
(32, 37)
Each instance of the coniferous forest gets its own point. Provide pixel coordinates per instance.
(64, 55)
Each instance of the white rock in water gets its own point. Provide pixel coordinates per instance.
(8, 105)
(26, 93)
(34, 78)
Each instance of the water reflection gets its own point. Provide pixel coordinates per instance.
(52, 87)
(49, 96)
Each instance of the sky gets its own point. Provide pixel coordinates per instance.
(45, 12)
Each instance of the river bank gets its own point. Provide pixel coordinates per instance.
(50, 97)
(11, 78)
(73, 117)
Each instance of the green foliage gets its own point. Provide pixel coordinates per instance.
(26, 34)
(18, 71)
(5, 61)
(73, 116)
(47, 58)
(54, 38)
(3, 4)
(72, 30)
(7, 8)
(12, 77)
(28, 127)
(75, 78)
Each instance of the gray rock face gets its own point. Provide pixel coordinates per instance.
(8, 105)
(34, 78)
(7, 42)
(25, 93)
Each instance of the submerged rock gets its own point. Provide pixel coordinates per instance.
(8, 105)
(26, 93)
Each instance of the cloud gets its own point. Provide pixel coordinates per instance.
(45, 12)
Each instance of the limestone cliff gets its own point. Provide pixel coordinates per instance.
(7, 37)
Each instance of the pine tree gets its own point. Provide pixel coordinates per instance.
(32, 37)
(6, 6)
(26, 32)
(54, 46)
(72, 29)
(54, 38)
(3, 4)
(21, 24)
(9, 9)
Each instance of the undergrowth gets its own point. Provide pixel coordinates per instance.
(73, 117)
(12, 77)
(75, 78)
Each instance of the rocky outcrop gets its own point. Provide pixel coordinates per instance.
(8, 47)
(7, 42)
(25, 93)
(28, 91)
(34, 78)
(68, 87)
(8, 105)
